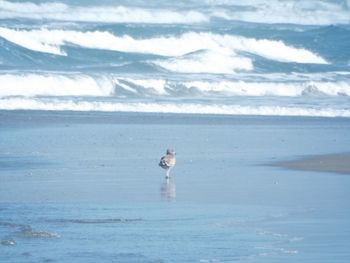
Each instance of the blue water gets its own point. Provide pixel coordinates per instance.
(218, 57)
(85, 187)
(147, 233)
(99, 83)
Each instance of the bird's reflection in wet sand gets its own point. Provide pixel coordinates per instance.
(168, 190)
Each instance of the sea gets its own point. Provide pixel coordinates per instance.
(93, 92)
(254, 57)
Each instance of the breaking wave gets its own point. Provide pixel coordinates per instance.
(183, 108)
(207, 62)
(224, 47)
(53, 85)
(294, 12)
(80, 85)
(102, 13)
(311, 12)
(207, 57)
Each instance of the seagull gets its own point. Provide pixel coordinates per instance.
(168, 161)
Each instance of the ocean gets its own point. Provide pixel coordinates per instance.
(285, 58)
(92, 93)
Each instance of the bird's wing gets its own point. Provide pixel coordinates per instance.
(162, 161)
(167, 160)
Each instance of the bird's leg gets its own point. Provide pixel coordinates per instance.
(167, 176)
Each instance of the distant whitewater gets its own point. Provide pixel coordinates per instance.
(201, 57)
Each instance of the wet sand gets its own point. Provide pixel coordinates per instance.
(86, 187)
(333, 163)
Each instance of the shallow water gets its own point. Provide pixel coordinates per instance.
(86, 188)
(161, 232)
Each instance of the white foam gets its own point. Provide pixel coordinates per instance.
(282, 89)
(311, 12)
(58, 84)
(101, 13)
(30, 85)
(271, 49)
(50, 41)
(30, 8)
(70, 105)
(155, 86)
(207, 62)
(244, 88)
(33, 41)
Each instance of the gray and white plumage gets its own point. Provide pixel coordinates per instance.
(168, 161)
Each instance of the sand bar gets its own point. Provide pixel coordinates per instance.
(336, 163)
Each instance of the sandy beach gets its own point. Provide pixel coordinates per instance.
(82, 187)
(332, 163)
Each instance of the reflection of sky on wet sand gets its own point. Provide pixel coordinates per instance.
(168, 190)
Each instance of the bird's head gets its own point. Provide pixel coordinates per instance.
(170, 151)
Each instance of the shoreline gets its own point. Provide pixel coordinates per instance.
(337, 163)
(31, 118)
(103, 116)
(331, 163)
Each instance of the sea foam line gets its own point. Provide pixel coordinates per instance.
(311, 12)
(183, 108)
(51, 41)
(100, 13)
(105, 85)
(45, 84)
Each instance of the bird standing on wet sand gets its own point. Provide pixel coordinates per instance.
(168, 161)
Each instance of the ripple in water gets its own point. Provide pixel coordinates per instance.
(97, 221)
(8, 242)
(30, 233)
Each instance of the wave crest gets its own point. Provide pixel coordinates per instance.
(183, 108)
(30, 85)
(51, 41)
(80, 85)
(115, 14)
(311, 12)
